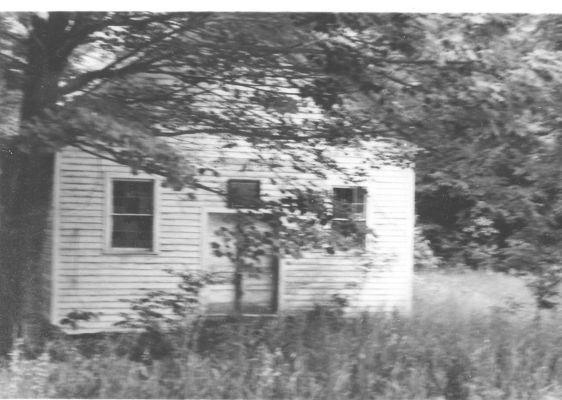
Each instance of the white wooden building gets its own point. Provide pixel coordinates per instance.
(115, 233)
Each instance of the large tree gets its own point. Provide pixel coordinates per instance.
(116, 84)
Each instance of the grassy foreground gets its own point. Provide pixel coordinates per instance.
(437, 353)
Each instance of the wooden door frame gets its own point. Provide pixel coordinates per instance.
(276, 295)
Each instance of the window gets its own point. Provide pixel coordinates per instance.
(243, 193)
(349, 213)
(132, 214)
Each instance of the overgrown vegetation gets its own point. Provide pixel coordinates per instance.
(319, 355)
(441, 351)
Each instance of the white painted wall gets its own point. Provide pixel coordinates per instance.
(90, 277)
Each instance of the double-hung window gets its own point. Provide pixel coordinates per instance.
(349, 213)
(132, 214)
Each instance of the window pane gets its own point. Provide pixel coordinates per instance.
(348, 227)
(243, 194)
(132, 197)
(343, 198)
(358, 209)
(344, 195)
(360, 195)
(349, 202)
(342, 210)
(350, 232)
(132, 231)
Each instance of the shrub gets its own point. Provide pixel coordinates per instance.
(424, 258)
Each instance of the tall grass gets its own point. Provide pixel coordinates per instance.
(435, 354)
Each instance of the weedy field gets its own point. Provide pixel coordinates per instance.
(471, 336)
(466, 293)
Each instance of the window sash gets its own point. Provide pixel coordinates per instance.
(355, 209)
(132, 230)
(349, 213)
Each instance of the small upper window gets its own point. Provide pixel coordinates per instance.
(132, 214)
(350, 213)
(243, 193)
(349, 203)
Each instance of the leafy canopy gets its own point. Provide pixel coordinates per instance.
(479, 94)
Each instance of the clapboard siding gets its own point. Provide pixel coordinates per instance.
(46, 267)
(381, 283)
(90, 277)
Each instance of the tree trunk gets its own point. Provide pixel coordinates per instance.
(26, 187)
(26, 206)
(238, 293)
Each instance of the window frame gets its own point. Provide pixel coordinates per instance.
(363, 219)
(355, 190)
(229, 202)
(110, 178)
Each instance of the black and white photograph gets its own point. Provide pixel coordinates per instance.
(295, 204)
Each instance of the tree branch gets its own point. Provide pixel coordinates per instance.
(79, 32)
(82, 80)
(20, 63)
(148, 169)
(108, 72)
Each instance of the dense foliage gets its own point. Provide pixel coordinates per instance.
(480, 95)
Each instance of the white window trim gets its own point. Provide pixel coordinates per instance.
(108, 213)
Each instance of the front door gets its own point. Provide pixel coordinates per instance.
(233, 238)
